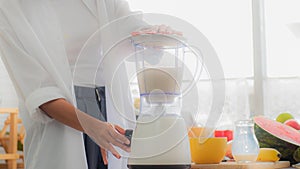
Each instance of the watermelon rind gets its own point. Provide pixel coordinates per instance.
(266, 139)
(296, 154)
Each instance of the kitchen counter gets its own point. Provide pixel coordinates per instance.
(254, 165)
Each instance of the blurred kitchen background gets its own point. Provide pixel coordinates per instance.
(260, 55)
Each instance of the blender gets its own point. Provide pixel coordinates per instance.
(159, 140)
(156, 66)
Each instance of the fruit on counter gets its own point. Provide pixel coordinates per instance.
(273, 134)
(282, 117)
(293, 123)
(268, 154)
(224, 133)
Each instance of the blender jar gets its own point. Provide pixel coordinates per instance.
(160, 137)
(159, 65)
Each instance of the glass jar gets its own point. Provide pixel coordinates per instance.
(245, 146)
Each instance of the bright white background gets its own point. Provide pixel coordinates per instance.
(228, 26)
(283, 48)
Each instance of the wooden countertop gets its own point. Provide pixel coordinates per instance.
(234, 165)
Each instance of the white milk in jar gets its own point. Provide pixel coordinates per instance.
(160, 84)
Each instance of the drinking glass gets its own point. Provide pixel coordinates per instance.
(245, 146)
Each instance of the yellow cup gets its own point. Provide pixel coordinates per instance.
(212, 151)
(195, 131)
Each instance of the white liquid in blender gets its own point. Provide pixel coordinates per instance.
(160, 84)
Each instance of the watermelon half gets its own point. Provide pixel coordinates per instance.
(273, 134)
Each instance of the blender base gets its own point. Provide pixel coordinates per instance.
(159, 166)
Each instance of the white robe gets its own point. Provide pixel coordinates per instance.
(39, 51)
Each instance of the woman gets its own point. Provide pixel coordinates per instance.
(40, 42)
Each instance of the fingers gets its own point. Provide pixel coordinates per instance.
(120, 141)
(121, 145)
(119, 129)
(119, 137)
(118, 134)
(104, 156)
(112, 150)
(162, 29)
(157, 29)
(112, 135)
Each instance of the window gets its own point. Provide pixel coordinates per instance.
(226, 24)
(228, 27)
(283, 57)
(283, 48)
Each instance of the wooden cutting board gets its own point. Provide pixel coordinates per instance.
(234, 165)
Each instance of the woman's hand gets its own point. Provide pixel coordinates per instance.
(103, 151)
(104, 134)
(157, 29)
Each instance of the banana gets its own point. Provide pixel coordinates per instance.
(268, 154)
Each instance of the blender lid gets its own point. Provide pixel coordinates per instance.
(159, 40)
